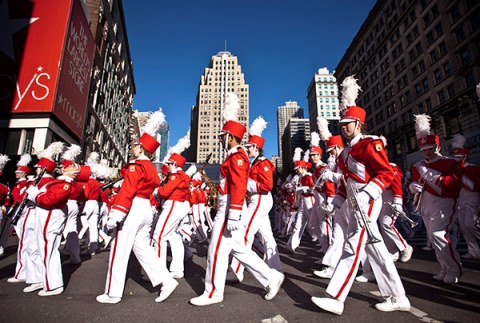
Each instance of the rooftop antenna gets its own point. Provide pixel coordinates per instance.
(225, 45)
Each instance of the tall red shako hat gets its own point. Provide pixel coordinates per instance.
(47, 156)
(297, 159)
(330, 141)
(350, 112)
(458, 143)
(22, 165)
(315, 144)
(230, 117)
(255, 132)
(3, 160)
(425, 139)
(174, 153)
(149, 132)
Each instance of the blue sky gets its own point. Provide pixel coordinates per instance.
(280, 45)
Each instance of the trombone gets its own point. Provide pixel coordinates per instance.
(363, 220)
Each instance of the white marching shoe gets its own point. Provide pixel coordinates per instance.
(204, 300)
(104, 298)
(33, 287)
(167, 289)
(274, 287)
(56, 291)
(406, 254)
(394, 304)
(177, 274)
(15, 280)
(326, 272)
(329, 304)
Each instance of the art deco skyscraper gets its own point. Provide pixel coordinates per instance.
(284, 114)
(223, 75)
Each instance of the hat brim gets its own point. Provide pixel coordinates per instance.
(347, 120)
(426, 147)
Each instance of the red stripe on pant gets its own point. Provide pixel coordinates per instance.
(20, 246)
(46, 248)
(163, 228)
(215, 256)
(392, 225)
(112, 262)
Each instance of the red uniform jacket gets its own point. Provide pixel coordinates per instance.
(18, 191)
(396, 185)
(471, 178)
(177, 187)
(92, 190)
(45, 180)
(307, 180)
(328, 188)
(3, 195)
(448, 184)
(202, 196)
(54, 195)
(234, 177)
(365, 161)
(261, 171)
(139, 180)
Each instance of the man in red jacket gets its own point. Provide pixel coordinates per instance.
(226, 236)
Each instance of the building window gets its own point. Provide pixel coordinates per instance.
(460, 34)
(446, 69)
(466, 57)
(451, 91)
(438, 76)
(441, 96)
(470, 79)
(452, 123)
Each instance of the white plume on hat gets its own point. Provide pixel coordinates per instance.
(306, 156)
(93, 158)
(3, 160)
(478, 91)
(191, 170)
(297, 155)
(72, 152)
(25, 159)
(181, 145)
(52, 150)
(154, 122)
(231, 107)
(458, 141)
(422, 125)
(350, 89)
(257, 127)
(322, 124)
(314, 139)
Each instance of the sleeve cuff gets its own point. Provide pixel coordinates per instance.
(397, 200)
(373, 189)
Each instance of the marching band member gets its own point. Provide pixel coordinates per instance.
(132, 216)
(260, 202)
(51, 200)
(469, 199)
(227, 234)
(32, 225)
(334, 147)
(323, 195)
(176, 193)
(304, 197)
(438, 181)
(364, 165)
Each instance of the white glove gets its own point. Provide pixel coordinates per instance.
(155, 193)
(331, 208)
(398, 207)
(414, 187)
(32, 193)
(302, 189)
(364, 201)
(113, 218)
(234, 222)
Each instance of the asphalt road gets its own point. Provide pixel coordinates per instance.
(431, 301)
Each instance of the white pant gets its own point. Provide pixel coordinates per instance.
(20, 227)
(340, 224)
(49, 228)
(135, 234)
(222, 243)
(33, 262)
(303, 217)
(91, 210)
(173, 213)
(198, 220)
(393, 239)
(468, 207)
(439, 216)
(322, 221)
(258, 221)
(72, 244)
(384, 269)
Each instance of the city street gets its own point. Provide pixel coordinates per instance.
(431, 301)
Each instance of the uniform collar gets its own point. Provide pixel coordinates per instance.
(355, 140)
(233, 150)
(65, 178)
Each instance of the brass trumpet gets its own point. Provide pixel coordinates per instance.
(402, 214)
(212, 197)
